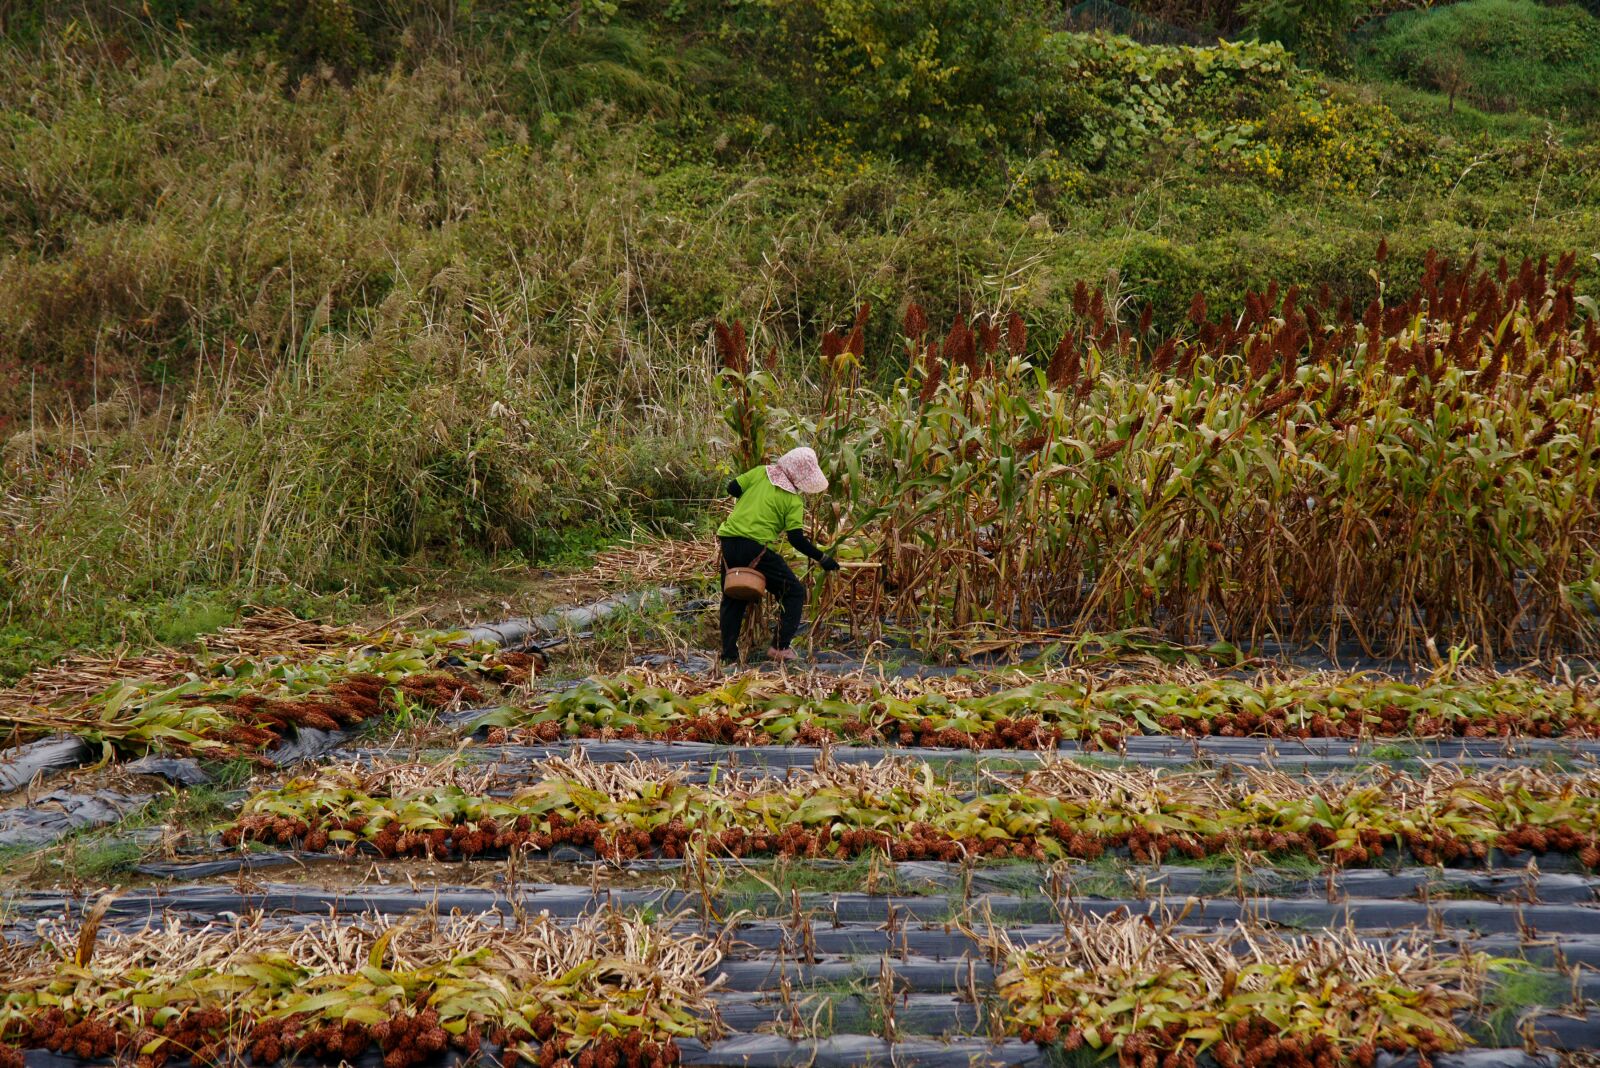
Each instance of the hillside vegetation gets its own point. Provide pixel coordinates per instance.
(295, 305)
(1504, 55)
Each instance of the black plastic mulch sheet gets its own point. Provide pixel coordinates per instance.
(923, 1015)
(752, 757)
(515, 632)
(42, 1058)
(1482, 918)
(946, 943)
(1474, 1058)
(865, 1051)
(20, 764)
(317, 902)
(57, 814)
(308, 743)
(230, 864)
(1570, 1032)
(955, 1015)
(919, 975)
(1543, 886)
(851, 1051)
(180, 771)
(1524, 885)
(1334, 753)
(1309, 755)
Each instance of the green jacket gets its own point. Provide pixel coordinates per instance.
(764, 511)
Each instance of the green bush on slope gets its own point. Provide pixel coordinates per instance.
(1502, 55)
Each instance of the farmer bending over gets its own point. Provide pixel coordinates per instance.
(769, 505)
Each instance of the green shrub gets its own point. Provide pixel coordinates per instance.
(1128, 94)
(1209, 18)
(943, 81)
(1322, 139)
(1316, 31)
(972, 89)
(1502, 55)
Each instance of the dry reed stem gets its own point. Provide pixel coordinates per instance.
(665, 562)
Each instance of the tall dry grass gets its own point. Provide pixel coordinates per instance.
(361, 323)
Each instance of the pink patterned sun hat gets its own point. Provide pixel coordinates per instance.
(797, 471)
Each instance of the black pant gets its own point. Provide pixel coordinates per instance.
(782, 583)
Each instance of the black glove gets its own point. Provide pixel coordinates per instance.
(828, 563)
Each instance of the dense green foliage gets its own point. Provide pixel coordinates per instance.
(1501, 54)
(961, 79)
(1314, 30)
(448, 292)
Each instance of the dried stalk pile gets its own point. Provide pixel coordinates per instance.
(1096, 710)
(660, 563)
(269, 632)
(266, 633)
(251, 687)
(1061, 810)
(605, 991)
(1428, 468)
(1156, 997)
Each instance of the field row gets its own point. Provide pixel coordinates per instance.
(967, 713)
(333, 990)
(249, 689)
(258, 686)
(1063, 809)
(611, 989)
